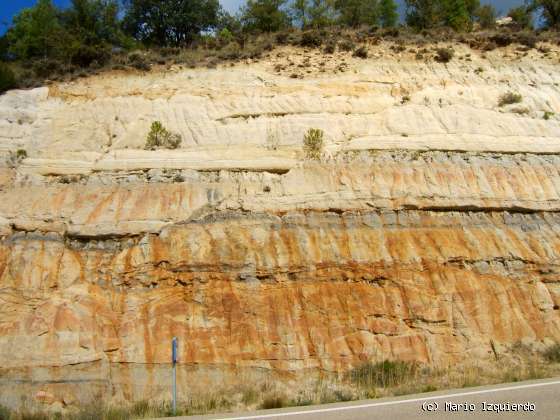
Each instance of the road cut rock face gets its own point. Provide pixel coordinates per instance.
(429, 231)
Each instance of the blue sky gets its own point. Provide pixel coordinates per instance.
(10, 7)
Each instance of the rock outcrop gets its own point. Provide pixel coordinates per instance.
(430, 230)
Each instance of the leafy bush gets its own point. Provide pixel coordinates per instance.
(232, 51)
(509, 98)
(553, 354)
(361, 52)
(382, 374)
(311, 39)
(282, 38)
(313, 143)
(159, 137)
(547, 115)
(330, 48)
(46, 67)
(138, 61)
(501, 39)
(527, 39)
(444, 55)
(7, 78)
(225, 36)
(346, 45)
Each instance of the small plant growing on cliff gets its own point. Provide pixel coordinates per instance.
(313, 143)
(444, 55)
(509, 98)
(15, 158)
(159, 137)
(548, 115)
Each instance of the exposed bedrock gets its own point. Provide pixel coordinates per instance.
(284, 293)
(429, 230)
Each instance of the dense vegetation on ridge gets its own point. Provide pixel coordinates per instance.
(45, 41)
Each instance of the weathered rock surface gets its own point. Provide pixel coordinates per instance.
(430, 231)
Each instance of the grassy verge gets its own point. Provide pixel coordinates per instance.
(368, 380)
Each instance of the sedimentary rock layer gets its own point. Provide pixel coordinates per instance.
(286, 293)
(429, 230)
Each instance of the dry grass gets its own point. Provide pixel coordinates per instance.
(368, 380)
(212, 51)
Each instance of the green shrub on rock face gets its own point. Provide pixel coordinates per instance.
(160, 137)
(313, 143)
(510, 98)
(7, 78)
(444, 55)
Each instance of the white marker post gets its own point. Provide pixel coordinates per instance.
(174, 361)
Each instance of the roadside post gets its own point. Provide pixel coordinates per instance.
(174, 362)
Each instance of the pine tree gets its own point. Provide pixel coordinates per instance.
(422, 14)
(36, 32)
(457, 15)
(265, 15)
(388, 13)
(357, 12)
(321, 13)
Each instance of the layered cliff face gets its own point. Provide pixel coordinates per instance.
(429, 231)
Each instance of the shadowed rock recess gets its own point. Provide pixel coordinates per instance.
(429, 231)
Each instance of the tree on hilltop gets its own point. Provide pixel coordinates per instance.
(170, 22)
(388, 15)
(265, 15)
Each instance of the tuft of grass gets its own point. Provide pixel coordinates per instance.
(548, 115)
(509, 98)
(313, 143)
(138, 61)
(382, 374)
(312, 39)
(273, 401)
(552, 354)
(249, 396)
(159, 137)
(429, 388)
